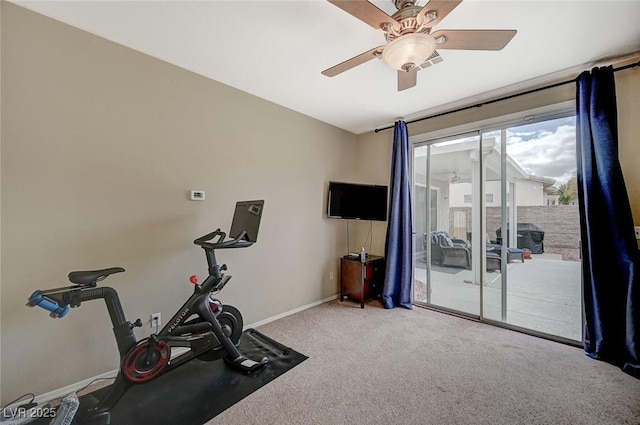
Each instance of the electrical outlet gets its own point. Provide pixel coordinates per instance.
(331, 275)
(155, 320)
(637, 229)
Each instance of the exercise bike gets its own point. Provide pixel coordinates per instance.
(202, 325)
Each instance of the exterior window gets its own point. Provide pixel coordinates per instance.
(467, 199)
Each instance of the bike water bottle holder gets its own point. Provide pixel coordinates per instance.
(220, 285)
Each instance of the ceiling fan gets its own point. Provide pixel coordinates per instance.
(411, 45)
(455, 179)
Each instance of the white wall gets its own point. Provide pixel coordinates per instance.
(457, 193)
(100, 146)
(528, 193)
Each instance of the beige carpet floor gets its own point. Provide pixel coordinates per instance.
(376, 366)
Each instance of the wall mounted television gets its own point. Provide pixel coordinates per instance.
(357, 201)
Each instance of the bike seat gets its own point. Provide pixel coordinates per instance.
(92, 276)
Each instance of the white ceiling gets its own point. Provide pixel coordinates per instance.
(276, 49)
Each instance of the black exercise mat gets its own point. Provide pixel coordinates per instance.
(199, 390)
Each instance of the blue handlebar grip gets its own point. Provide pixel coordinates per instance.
(57, 310)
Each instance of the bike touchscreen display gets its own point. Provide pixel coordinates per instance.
(247, 218)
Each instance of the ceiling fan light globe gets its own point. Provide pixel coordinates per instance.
(414, 48)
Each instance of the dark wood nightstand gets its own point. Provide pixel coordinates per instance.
(361, 280)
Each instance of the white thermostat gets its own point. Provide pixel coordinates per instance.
(197, 195)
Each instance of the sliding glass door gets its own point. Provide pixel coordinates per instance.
(535, 200)
(444, 264)
(497, 231)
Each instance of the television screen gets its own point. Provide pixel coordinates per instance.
(357, 201)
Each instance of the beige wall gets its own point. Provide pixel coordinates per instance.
(374, 150)
(100, 146)
(374, 167)
(628, 98)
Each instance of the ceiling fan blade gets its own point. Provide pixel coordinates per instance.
(353, 62)
(441, 8)
(407, 79)
(473, 39)
(367, 13)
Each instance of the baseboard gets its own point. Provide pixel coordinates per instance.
(290, 312)
(65, 391)
(62, 392)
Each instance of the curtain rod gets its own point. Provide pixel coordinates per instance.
(500, 99)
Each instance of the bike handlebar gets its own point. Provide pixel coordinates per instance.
(57, 310)
(220, 243)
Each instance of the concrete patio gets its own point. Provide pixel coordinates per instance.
(543, 293)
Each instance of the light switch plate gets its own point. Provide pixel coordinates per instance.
(637, 229)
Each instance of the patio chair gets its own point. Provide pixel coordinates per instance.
(494, 261)
(452, 252)
(448, 252)
(512, 253)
